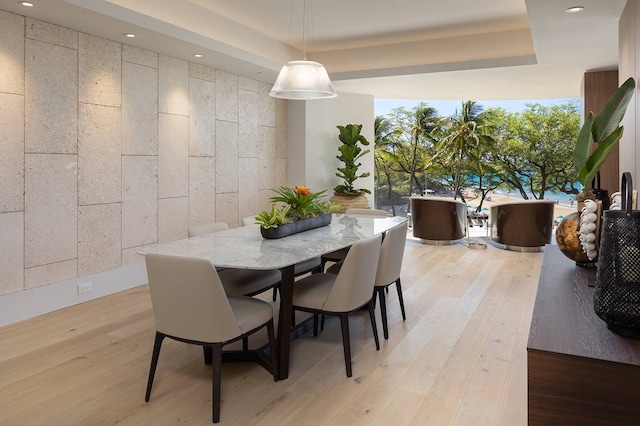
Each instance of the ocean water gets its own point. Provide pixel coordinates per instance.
(560, 197)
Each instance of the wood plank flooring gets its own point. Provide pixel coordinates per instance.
(459, 359)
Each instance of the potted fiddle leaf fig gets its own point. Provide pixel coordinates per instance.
(351, 151)
(604, 131)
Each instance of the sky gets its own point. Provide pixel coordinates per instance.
(445, 108)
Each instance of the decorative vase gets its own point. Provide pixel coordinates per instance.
(348, 201)
(568, 240)
(295, 227)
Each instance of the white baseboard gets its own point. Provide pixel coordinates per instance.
(31, 303)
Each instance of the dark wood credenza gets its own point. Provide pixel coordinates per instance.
(579, 372)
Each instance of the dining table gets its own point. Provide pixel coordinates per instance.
(245, 248)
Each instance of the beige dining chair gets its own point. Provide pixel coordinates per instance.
(338, 255)
(190, 305)
(366, 212)
(249, 220)
(207, 228)
(389, 268)
(344, 293)
(240, 282)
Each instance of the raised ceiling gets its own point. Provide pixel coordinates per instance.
(407, 49)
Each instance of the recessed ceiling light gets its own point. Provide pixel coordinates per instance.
(575, 9)
(198, 55)
(26, 4)
(130, 35)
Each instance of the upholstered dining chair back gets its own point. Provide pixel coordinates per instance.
(391, 254)
(207, 228)
(367, 212)
(338, 255)
(188, 299)
(249, 220)
(354, 284)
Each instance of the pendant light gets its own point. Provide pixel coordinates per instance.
(303, 79)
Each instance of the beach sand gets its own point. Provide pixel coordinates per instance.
(559, 209)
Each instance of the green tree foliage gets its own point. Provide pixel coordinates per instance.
(535, 149)
(476, 150)
(465, 134)
(480, 162)
(384, 160)
(425, 122)
(405, 147)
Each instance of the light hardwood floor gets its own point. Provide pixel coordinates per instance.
(460, 358)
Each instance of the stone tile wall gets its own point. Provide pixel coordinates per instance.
(107, 148)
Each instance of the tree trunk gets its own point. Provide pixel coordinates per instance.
(413, 168)
(456, 181)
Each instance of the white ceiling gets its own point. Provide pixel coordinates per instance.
(402, 49)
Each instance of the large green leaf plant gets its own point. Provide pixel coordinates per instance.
(350, 153)
(604, 130)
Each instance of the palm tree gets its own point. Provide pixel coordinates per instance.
(383, 143)
(426, 120)
(463, 133)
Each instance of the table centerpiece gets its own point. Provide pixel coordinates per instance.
(300, 211)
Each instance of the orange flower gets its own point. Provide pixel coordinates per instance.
(302, 190)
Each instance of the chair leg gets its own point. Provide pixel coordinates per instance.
(400, 298)
(374, 327)
(216, 378)
(245, 343)
(383, 311)
(272, 350)
(346, 345)
(208, 355)
(322, 322)
(275, 293)
(157, 344)
(315, 324)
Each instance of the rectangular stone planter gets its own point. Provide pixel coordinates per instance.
(295, 227)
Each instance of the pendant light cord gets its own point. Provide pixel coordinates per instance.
(290, 40)
(304, 29)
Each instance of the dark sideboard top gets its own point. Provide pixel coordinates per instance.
(564, 321)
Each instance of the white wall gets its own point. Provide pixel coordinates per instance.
(313, 142)
(107, 148)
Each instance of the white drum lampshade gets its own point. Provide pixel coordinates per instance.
(303, 80)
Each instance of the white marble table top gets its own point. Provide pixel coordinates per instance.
(244, 247)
